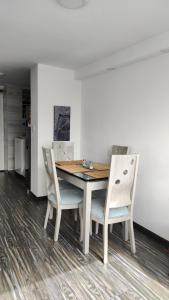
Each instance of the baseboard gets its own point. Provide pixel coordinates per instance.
(151, 234)
(37, 198)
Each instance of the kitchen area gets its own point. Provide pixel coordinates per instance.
(15, 130)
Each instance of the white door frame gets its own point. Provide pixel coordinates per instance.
(1, 133)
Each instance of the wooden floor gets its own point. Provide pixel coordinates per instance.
(33, 267)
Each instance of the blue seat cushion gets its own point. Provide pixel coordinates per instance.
(68, 197)
(98, 206)
(65, 185)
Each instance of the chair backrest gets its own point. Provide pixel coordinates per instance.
(122, 181)
(119, 150)
(63, 150)
(52, 179)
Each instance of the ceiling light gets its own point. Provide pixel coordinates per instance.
(72, 4)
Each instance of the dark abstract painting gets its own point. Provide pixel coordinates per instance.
(61, 123)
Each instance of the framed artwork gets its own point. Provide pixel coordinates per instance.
(61, 123)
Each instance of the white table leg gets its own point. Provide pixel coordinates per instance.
(86, 218)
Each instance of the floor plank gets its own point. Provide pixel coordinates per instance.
(32, 266)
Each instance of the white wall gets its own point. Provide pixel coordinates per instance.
(130, 106)
(51, 86)
(34, 129)
(1, 133)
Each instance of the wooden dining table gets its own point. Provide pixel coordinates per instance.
(87, 180)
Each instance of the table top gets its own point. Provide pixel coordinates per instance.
(100, 171)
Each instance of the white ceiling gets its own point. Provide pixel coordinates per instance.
(33, 31)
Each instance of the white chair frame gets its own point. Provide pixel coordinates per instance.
(117, 150)
(121, 150)
(57, 146)
(120, 198)
(53, 188)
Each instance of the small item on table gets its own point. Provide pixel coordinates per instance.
(87, 164)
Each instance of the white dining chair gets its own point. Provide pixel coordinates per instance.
(120, 150)
(64, 150)
(118, 205)
(116, 150)
(66, 197)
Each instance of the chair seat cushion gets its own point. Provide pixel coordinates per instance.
(98, 206)
(65, 185)
(68, 197)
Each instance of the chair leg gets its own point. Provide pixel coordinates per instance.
(75, 215)
(47, 214)
(51, 213)
(110, 228)
(57, 224)
(132, 238)
(125, 230)
(81, 223)
(105, 243)
(96, 227)
(91, 228)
